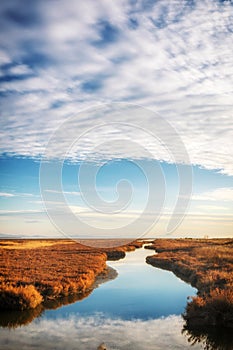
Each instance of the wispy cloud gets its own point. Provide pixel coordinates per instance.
(16, 194)
(212, 207)
(174, 57)
(20, 212)
(72, 193)
(218, 195)
(6, 194)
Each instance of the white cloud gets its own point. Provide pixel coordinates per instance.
(20, 69)
(22, 211)
(181, 68)
(5, 194)
(220, 194)
(212, 207)
(16, 194)
(72, 193)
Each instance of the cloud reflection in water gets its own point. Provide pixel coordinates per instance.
(87, 333)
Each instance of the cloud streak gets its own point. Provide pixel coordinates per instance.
(218, 195)
(14, 194)
(6, 194)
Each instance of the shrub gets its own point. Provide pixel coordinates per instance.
(214, 309)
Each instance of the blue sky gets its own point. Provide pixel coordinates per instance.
(172, 58)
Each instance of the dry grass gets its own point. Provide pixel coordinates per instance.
(208, 266)
(16, 318)
(54, 270)
(30, 244)
(214, 308)
(36, 270)
(21, 297)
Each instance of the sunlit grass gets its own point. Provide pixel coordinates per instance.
(30, 244)
(36, 270)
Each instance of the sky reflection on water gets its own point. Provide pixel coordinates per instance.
(87, 333)
(139, 291)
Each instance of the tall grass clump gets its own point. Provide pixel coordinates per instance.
(19, 298)
(213, 309)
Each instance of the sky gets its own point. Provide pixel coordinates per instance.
(116, 118)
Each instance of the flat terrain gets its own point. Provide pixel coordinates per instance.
(38, 272)
(206, 265)
(34, 271)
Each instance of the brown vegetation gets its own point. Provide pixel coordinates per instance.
(49, 269)
(208, 266)
(17, 318)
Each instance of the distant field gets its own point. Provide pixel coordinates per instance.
(30, 244)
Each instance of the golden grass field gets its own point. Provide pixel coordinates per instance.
(33, 271)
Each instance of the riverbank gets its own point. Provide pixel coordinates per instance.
(13, 319)
(37, 271)
(208, 266)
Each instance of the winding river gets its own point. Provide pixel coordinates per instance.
(140, 309)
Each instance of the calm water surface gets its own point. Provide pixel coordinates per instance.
(138, 310)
